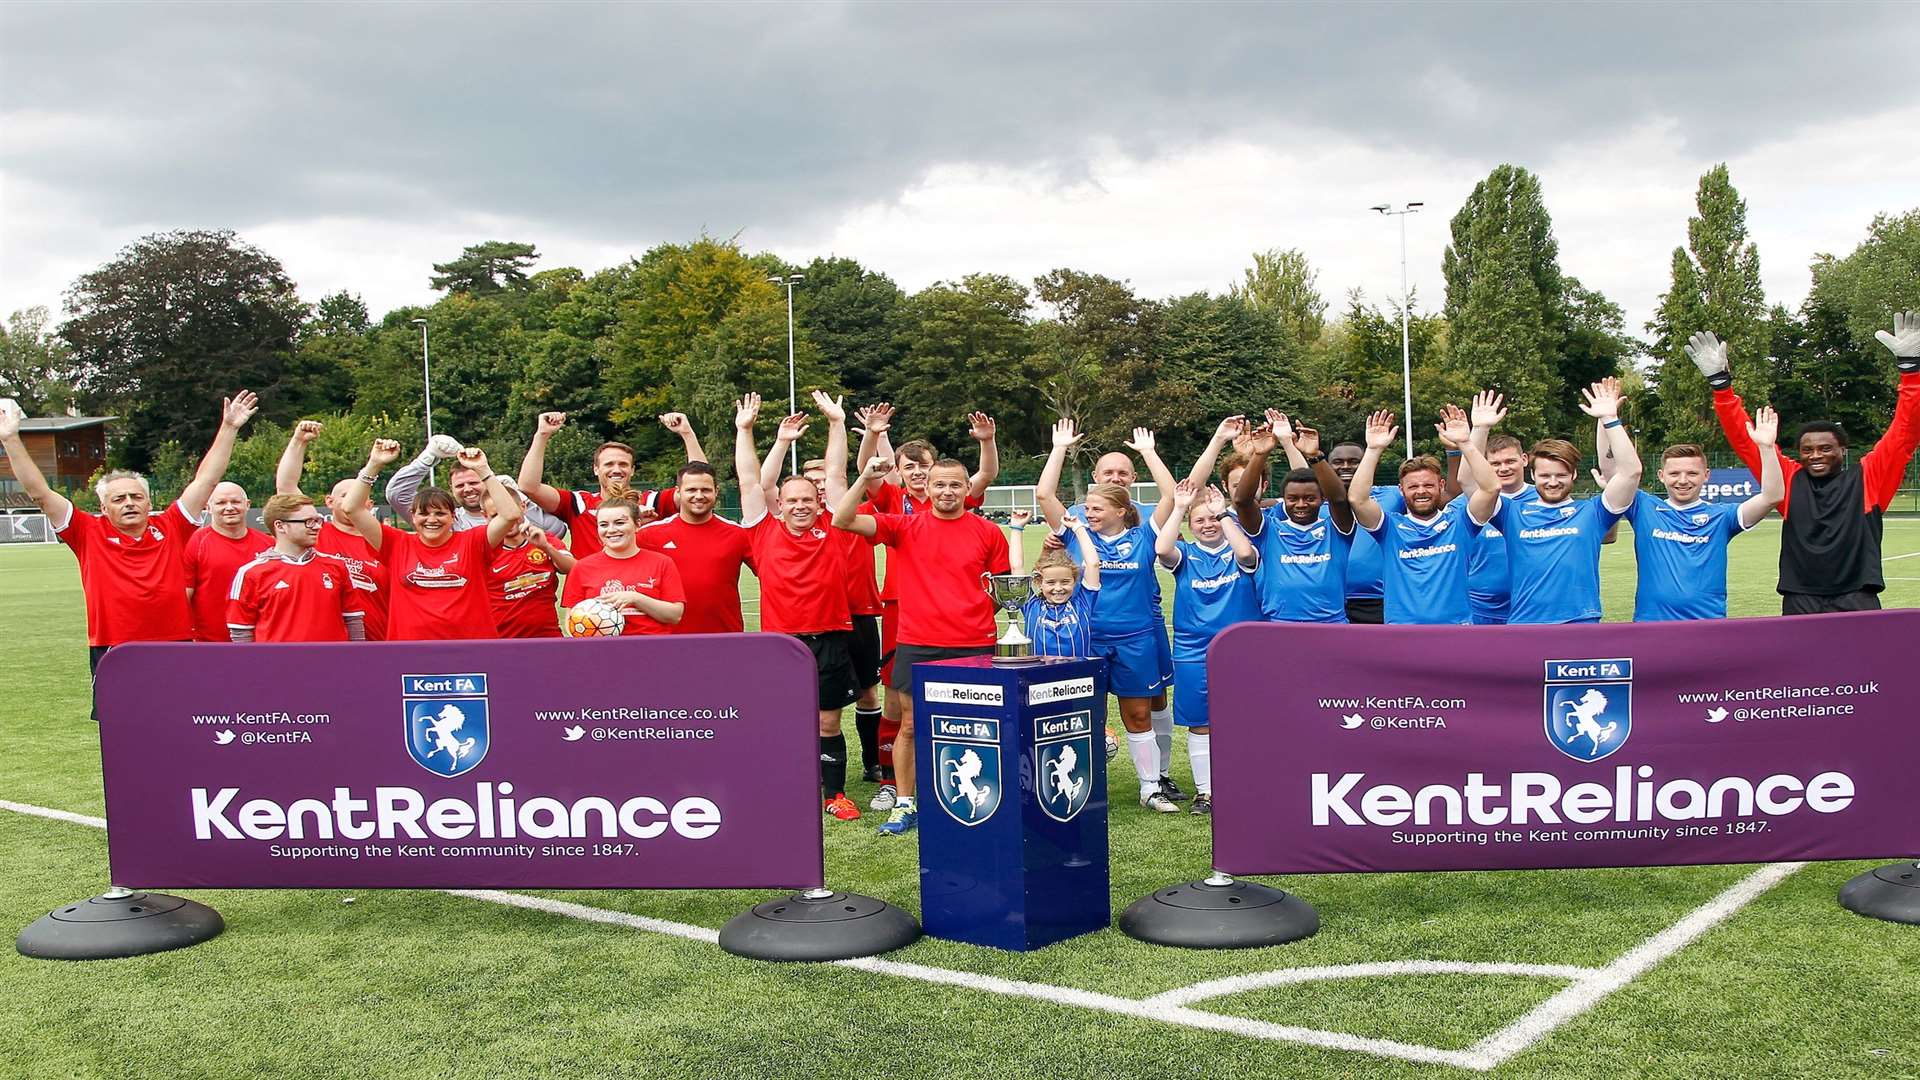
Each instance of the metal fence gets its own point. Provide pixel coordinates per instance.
(26, 529)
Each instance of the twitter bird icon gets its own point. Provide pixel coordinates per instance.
(1352, 720)
(1716, 714)
(223, 737)
(573, 733)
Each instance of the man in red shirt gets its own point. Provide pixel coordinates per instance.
(291, 592)
(937, 558)
(214, 553)
(132, 561)
(612, 467)
(644, 585)
(706, 548)
(338, 537)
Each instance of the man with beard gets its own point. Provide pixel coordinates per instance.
(339, 537)
(613, 464)
(465, 484)
(1303, 539)
(214, 554)
(1426, 547)
(1831, 515)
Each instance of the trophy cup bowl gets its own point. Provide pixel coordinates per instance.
(1011, 591)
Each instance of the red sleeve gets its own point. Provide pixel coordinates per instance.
(667, 502)
(575, 589)
(79, 530)
(242, 608)
(1733, 424)
(569, 507)
(393, 543)
(885, 498)
(670, 588)
(190, 559)
(888, 528)
(1883, 465)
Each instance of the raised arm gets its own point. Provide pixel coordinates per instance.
(664, 612)
(1089, 555)
(746, 460)
(1223, 435)
(1380, 432)
(1765, 433)
(286, 475)
(1484, 498)
(1603, 404)
(1142, 443)
(534, 465)
(1287, 437)
(1883, 466)
(359, 493)
(1016, 544)
(1244, 552)
(1166, 542)
(407, 480)
(847, 515)
(32, 481)
(563, 560)
(506, 503)
(1246, 494)
(1046, 491)
(835, 410)
(792, 429)
(234, 414)
(689, 439)
(874, 420)
(982, 428)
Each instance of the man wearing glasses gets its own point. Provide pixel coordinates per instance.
(293, 592)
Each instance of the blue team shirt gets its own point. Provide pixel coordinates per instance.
(1303, 569)
(1129, 597)
(1061, 629)
(1426, 565)
(1366, 566)
(1554, 556)
(1682, 553)
(1211, 591)
(1079, 510)
(1488, 579)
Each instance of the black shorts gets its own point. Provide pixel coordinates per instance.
(1366, 610)
(905, 656)
(833, 661)
(866, 650)
(1809, 604)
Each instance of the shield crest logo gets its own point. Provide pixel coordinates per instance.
(1589, 706)
(445, 721)
(967, 777)
(1063, 776)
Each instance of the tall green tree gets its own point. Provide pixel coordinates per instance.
(850, 313)
(1716, 287)
(36, 369)
(1503, 304)
(1283, 285)
(172, 323)
(965, 346)
(490, 267)
(1880, 277)
(1597, 343)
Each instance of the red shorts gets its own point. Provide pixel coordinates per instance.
(889, 637)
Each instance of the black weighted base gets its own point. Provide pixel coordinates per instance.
(1219, 913)
(817, 926)
(1890, 892)
(119, 923)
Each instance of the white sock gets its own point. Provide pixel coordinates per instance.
(1146, 760)
(1163, 737)
(1200, 756)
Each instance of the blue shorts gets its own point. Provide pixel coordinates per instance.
(1190, 693)
(1486, 612)
(1138, 666)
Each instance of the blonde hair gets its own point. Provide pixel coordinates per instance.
(1117, 498)
(1055, 557)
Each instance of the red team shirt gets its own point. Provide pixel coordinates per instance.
(708, 556)
(891, 498)
(645, 572)
(577, 507)
(521, 587)
(136, 589)
(937, 564)
(437, 593)
(863, 595)
(369, 573)
(803, 579)
(283, 599)
(212, 560)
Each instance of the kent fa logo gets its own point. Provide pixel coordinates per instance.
(966, 767)
(1063, 763)
(446, 721)
(1589, 706)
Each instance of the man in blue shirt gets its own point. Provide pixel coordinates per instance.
(1488, 579)
(1553, 540)
(1426, 547)
(1680, 542)
(1366, 566)
(1303, 557)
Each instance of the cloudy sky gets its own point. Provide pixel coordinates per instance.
(1161, 144)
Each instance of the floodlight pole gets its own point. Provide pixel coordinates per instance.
(426, 383)
(793, 403)
(1406, 351)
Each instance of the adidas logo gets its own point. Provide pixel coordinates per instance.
(280, 585)
(669, 546)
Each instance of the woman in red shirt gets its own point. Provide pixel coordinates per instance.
(643, 584)
(437, 576)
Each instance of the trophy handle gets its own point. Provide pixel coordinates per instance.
(986, 582)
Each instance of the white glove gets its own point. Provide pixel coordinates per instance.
(443, 447)
(1904, 341)
(1709, 354)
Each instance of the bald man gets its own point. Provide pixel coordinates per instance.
(215, 553)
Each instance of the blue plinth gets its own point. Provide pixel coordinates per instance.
(1011, 767)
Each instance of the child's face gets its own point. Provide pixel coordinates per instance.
(1056, 584)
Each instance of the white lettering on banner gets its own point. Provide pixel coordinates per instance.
(1047, 693)
(1536, 796)
(397, 811)
(963, 693)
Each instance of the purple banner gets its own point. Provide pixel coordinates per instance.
(1342, 748)
(643, 763)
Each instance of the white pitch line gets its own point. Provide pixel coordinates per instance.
(1590, 985)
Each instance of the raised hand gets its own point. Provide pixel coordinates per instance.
(833, 408)
(1709, 354)
(1380, 430)
(1764, 429)
(746, 408)
(1019, 518)
(1454, 428)
(1904, 341)
(550, 422)
(1260, 440)
(676, 422)
(306, 431)
(1229, 429)
(10, 417)
(472, 457)
(792, 428)
(1184, 493)
(1142, 441)
(383, 453)
(443, 447)
(1216, 499)
(238, 409)
(1489, 409)
(1306, 439)
(875, 418)
(1281, 426)
(1064, 435)
(877, 468)
(1600, 402)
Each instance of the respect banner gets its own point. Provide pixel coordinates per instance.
(1393, 748)
(656, 762)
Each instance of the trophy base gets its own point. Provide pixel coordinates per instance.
(1015, 661)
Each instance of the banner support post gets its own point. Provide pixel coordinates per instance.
(119, 923)
(1890, 892)
(818, 925)
(1219, 912)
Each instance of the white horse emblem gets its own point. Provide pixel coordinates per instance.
(1592, 704)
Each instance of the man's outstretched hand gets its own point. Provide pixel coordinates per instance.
(1709, 354)
(1904, 342)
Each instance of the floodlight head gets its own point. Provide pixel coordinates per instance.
(1383, 207)
(419, 322)
(1415, 205)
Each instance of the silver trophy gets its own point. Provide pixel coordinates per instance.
(1010, 591)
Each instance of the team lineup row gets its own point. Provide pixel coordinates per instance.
(486, 556)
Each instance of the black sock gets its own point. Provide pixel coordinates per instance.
(833, 765)
(867, 723)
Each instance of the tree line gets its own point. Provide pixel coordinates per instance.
(176, 319)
